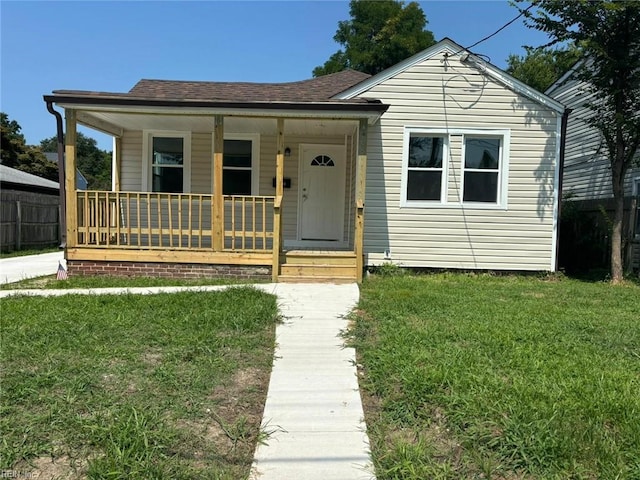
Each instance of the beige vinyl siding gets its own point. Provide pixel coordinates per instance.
(131, 170)
(131, 167)
(201, 162)
(426, 95)
(587, 174)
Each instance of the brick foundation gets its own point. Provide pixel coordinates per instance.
(166, 270)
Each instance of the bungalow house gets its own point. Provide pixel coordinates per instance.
(442, 161)
(586, 178)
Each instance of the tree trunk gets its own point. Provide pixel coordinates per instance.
(617, 178)
(617, 272)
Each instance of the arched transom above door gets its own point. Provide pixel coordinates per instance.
(322, 161)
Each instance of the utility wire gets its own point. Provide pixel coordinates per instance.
(497, 31)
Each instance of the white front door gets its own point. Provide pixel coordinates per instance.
(322, 193)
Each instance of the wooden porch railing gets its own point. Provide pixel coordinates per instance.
(176, 221)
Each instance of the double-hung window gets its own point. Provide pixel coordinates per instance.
(455, 167)
(481, 181)
(167, 158)
(240, 165)
(423, 181)
(236, 167)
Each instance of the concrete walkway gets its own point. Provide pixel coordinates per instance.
(313, 405)
(15, 269)
(313, 408)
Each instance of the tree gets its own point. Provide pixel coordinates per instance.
(12, 141)
(17, 154)
(541, 67)
(379, 35)
(608, 32)
(94, 163)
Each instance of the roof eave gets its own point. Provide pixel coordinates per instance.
(89, 100)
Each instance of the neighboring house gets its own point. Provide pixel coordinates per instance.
(81, 181)
(459, 162)
(586, 179)
(29, 210)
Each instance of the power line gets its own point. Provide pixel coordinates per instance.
(497, 31)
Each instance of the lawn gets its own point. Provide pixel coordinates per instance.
(479, 376)
(135, 387)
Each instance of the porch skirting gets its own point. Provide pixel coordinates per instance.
(166, 270)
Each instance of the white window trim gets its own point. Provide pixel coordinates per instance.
(404, 179)
(255, 156)
(147, 148)
(503, 161)
(447, 133)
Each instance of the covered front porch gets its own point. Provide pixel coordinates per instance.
(283, 194)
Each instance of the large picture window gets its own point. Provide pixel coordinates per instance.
(481, 169)
(167, 162)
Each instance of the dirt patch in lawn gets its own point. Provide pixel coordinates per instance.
(47, 468)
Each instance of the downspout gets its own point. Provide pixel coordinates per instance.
(563, 142)
(61, 176)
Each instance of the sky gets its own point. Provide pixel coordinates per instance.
(109, 46)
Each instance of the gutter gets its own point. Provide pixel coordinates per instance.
(61, 174)
(369, 106)
(563, 142)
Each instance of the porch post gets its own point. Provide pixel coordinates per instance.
(218, 201)
(361, 180)
(70, 178)
(117, 162)
(277, 206)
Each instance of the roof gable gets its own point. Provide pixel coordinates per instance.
(450, 48)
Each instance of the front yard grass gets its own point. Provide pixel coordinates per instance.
(85, 281)
(135, 387)
(476, 376)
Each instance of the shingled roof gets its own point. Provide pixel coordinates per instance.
(320, 89)
(312, 91)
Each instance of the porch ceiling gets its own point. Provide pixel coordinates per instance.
(115, 122)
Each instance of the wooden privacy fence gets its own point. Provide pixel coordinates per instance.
(145, 220)
(28, 220)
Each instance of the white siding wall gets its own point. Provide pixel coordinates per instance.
(458, 96)
(587, 174)
(131, 167)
